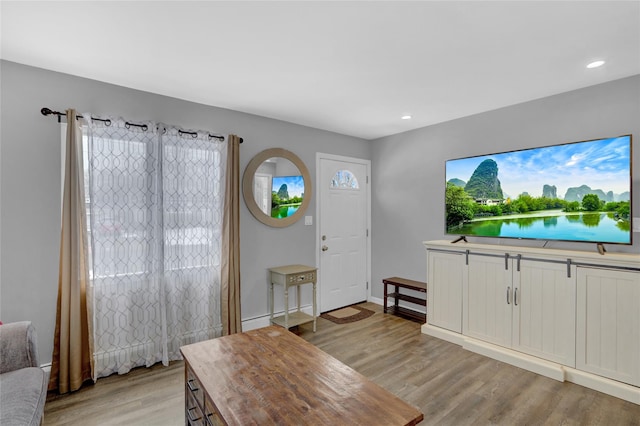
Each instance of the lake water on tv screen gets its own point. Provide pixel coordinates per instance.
(593, 227)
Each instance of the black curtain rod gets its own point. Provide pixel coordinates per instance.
(48, 111)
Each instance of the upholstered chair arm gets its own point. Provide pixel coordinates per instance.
(17, 346)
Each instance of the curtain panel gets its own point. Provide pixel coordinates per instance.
(155, 208)
(71, 360)
(230, 291)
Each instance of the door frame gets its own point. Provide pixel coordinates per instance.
(323, 156)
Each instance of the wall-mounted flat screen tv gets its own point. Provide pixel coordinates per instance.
(287, 193)
(578, 191)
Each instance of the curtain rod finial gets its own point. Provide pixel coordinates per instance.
(46, 111)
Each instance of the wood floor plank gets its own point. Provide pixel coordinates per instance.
(450, 385)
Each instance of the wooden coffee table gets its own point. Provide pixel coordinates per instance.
(271, 376)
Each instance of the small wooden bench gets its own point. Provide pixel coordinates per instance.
(399, 310)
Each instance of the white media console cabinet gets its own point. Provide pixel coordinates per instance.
(569, 315)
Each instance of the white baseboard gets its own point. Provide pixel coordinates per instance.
(518, 359)
(441, 333)
(263, 320)
(376, 300)
(538, 365)
(604, 385)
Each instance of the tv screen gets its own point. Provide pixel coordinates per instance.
(578, 191)
(287, 193)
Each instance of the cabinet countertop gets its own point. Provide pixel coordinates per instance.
(614, 258)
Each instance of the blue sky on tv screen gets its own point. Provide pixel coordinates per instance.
(600, 164)
(295, 185)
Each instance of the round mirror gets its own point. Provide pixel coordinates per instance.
(276, 187)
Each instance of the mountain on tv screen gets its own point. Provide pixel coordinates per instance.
(577, 191)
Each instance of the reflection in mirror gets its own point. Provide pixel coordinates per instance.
(278, 187)
(262, 191)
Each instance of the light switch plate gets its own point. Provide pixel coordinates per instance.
(636, 224)
(308, 220)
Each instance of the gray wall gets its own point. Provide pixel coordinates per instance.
(30, 184)
(402, 215)
(408, 168)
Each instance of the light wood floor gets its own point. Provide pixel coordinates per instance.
(449, 384)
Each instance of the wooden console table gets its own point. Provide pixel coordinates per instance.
(271, 376)
(290, 276)
(399, 310)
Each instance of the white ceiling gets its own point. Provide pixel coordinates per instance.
(348, 67)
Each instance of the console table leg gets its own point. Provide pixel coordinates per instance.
(271, 305)
(314, 307)
(286, 307)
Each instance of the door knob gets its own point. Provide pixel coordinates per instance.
(325, 248)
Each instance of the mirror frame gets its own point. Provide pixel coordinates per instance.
(247, 187)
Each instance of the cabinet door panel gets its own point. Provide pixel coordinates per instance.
(488, 304)
(608, 324)
(544, 311)
(444, 290)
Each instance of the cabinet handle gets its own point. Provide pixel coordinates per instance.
(192, 388)
(191, 418)
(515, 296)
(508, 290)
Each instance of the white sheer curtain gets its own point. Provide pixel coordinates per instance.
(155, 217)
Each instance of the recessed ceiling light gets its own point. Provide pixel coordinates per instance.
(595, 64)
(406, 117)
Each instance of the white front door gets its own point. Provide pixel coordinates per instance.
(343, 235)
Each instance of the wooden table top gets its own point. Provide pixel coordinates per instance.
(271, 376)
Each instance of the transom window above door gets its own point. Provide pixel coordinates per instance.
(344, 179)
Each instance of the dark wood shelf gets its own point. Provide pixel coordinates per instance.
(398, 283)
(405, 283)
(407, 313)
(408, 298)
